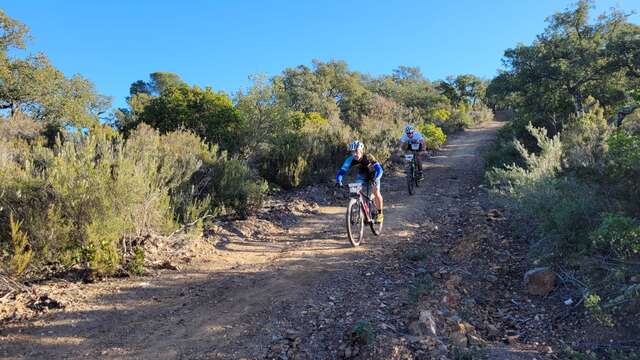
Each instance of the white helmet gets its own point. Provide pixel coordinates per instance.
(408, 128)
(355, 146)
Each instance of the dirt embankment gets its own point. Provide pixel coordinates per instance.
(289, 286)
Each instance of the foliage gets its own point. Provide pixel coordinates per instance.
(538, 167)
(21, 254)
(208, 114)
(549, 80)
(617, 234)
(33, 86)
(466, 88)
(578, 190)
(623, 167)
(433, 135)
(592, 303)
(299, 158)
(585, 143)
(234, 188)
(135, 265)
(79, 199)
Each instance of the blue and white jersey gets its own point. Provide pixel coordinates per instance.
(368, 167)
(417, 137)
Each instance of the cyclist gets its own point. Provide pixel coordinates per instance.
(412, 136)
(369, 169)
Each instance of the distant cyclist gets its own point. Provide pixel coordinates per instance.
(369, 170)
(412, 136)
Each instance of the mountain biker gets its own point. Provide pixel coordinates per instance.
(369, 170)
(412, 136)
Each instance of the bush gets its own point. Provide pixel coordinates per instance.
(480, 114)
(617, 234)
(564, 210)
(77, 201)
(502, 152)
(434, 136)
(235, 189)
(21, 249)
(544, 165)
(631, 122)
(135, 265)
(459, 120)
(585, 143)
(623, 167)
(296, 158)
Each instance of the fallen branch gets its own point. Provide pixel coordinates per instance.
(7, 284)
(185, 226)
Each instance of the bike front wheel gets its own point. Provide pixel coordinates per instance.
(410, 181)
(355, 222)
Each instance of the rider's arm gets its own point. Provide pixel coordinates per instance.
(403, 141)
(343, 170)
(378, 170)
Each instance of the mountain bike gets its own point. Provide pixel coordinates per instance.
(413, 178)
(361, 210)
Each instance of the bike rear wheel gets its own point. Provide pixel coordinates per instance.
(355, 222)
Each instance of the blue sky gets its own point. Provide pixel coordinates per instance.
(220, 43)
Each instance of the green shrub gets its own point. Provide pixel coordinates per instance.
(585, 143)
(77, 201)
(592, 303)
(434, 136)
(544, 165)
(617, 234)
(135, 265)
(459, 120)
(296, 158)
(480, 114)
(235, 189)
(563, 209)
(502, 151)
(631, 122)
(21, 254)
(623, 167)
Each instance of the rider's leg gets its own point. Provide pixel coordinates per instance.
(419, 155)
(377, 197)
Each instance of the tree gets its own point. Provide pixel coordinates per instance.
(140, 94)
(570, 61)
(330, 89)
(209, 114)
(33, 86)
(465, 88)
(408, 87)
(158, 82)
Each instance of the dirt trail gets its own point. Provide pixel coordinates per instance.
(298, 292)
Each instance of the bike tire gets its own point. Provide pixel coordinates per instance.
(416, 178)
(355, 222)
(376, 228)
(410, 182)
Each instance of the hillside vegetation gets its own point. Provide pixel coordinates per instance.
(80, 184)
(569, 161)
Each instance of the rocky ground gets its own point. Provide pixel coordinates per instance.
(444, 281)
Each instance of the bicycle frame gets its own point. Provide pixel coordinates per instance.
(362, 197)
(414, 161)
